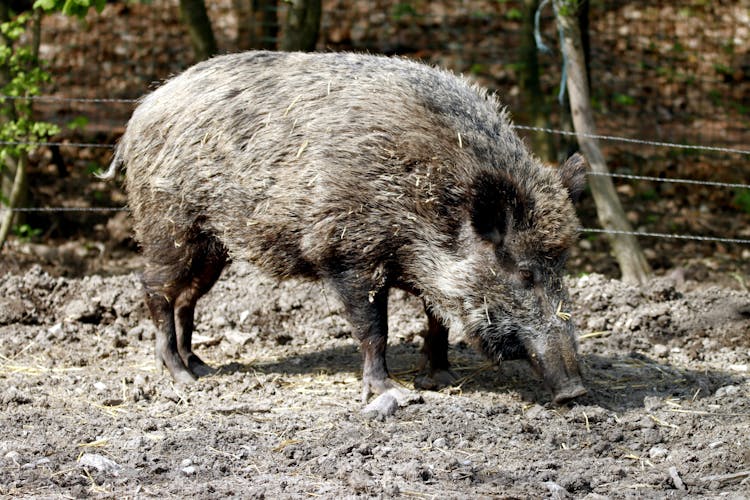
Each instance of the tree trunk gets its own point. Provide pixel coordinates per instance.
(567, 144)
(7, 169)
(194, 15)
(14, 181)
(301, 25)
(531, 90)
(17, 193)
(633, 265)
(257, 24)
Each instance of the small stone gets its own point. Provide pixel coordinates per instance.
(439, 443)
(134, 443)
(219, 322)
(244, 315)
(186, 463)
(100, 386)
(676, 479)
(100, 463)
(237, 337)
(657, 453)
(651, 436)
(537, 412)
(651, 403)
(556, 491)
(205, 340)
(81, 310)
(727, 391)
(661, 351)
(188, 471)
(36, 463)
(171, 394)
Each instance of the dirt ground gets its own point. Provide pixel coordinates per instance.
(86, 413)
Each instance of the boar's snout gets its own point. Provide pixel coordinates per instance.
(571, 390)
(553, 356)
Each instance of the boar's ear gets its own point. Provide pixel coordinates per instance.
(573, 175)
(496, 197)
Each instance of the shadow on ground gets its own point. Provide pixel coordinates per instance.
(617, 383)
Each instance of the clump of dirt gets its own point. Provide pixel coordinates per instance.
(84, 410)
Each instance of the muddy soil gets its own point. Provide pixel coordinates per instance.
(86, 413)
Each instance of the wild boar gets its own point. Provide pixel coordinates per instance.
(365, 172)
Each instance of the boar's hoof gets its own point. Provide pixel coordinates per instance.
(175, 367)
(567, 393)
(387, 403)
(183, 376)
(436, 380)
(198, 367)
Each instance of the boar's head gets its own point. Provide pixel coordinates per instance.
(523, 227)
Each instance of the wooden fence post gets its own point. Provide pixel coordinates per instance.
(633, 264)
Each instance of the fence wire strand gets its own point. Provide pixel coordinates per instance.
(50, 144)
(52, 98)
(670, 180)
(629, 140)
(667, 235)
(66, 209)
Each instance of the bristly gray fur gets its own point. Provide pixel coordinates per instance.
(380, 169)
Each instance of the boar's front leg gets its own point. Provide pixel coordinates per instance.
(435, 367)
(368, 313)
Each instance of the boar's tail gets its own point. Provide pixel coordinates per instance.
(114, 165)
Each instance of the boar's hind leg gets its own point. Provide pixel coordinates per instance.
(435, 367)
(160, 302)
(178, 277)
(208, 262)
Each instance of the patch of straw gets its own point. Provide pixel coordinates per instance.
(585, 336)
(288, 109)
(286, 443)
(662, 423)
(99, 443)
(8, 369)
(301, 149)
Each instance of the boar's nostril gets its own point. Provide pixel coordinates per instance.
(568, 394)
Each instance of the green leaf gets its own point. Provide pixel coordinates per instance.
(514, 14)
(78, 123)
(46, 5)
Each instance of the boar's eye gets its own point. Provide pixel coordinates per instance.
(526, 275)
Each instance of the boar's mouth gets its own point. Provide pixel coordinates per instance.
(501, 344)
(551, 356)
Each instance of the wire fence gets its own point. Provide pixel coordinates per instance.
(672, 76)
(648, 234)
